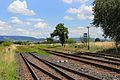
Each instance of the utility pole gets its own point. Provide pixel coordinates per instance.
(88, 38)
(65, 38)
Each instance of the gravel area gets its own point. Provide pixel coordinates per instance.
(74, 66)
(19, 70)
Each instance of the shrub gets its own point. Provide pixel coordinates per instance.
(19, 42)
(22, 43)
(70, 41)
(97, 40)
(8, 43)
(2, 42)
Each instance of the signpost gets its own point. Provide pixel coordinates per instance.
(85, 35)
(85, 38)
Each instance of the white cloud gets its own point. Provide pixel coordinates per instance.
(19, 29)
(68, 1)
(43, 30)
(19, 7)
(4, 26)
(36, 20)
(71, 1)
(83, 13)
(39, 30)
(82, 1)
(67, 18)
(72, 10)
(79, 31)
(16, 22)
(41, 25)
(5, 29)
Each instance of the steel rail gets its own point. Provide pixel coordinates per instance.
(51, 75)
(91, 63)
(30, 68)
(56, 69)
(88, 58)
(92, 54)
(70, 70)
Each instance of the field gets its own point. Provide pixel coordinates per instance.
(8, 64)
(104, 47)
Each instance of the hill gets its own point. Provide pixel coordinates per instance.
(19, 38)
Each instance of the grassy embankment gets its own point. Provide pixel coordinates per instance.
(8, 64)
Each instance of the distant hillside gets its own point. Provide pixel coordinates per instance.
(78, 39)
(19, 38)
(26, 38)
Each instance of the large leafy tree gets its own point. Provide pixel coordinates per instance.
(61, 32)
(107, 16)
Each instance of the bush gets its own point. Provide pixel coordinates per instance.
(2, 42)
(8, 43)
(22, 43)
(70, 41)
(97, 40)
(19, 42)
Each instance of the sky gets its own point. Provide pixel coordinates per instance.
(38, 18)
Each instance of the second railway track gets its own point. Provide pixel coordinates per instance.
(94, 62)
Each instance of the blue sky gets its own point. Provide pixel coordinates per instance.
(38, 18)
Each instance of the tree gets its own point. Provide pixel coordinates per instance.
(61, 32)
(107, 16)
(70, 41)
(50, 40)
(97, 40)
(7, 43)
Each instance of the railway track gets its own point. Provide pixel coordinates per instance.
(105, 56)
(35, 76)
(36, 71)
(111, 66)
(102, 56)
(69, 71)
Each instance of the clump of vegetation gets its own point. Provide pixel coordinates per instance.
(22, 43)
(8, 64)
(97, 40)
(30, 49)
(50, 40)
(70, 41)
(8, 43)
(2, 42)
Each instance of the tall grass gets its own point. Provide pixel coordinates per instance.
(8, 64)
(107, 47)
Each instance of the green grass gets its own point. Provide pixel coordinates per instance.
(30, 49)
(49, 46)
(8, 65)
